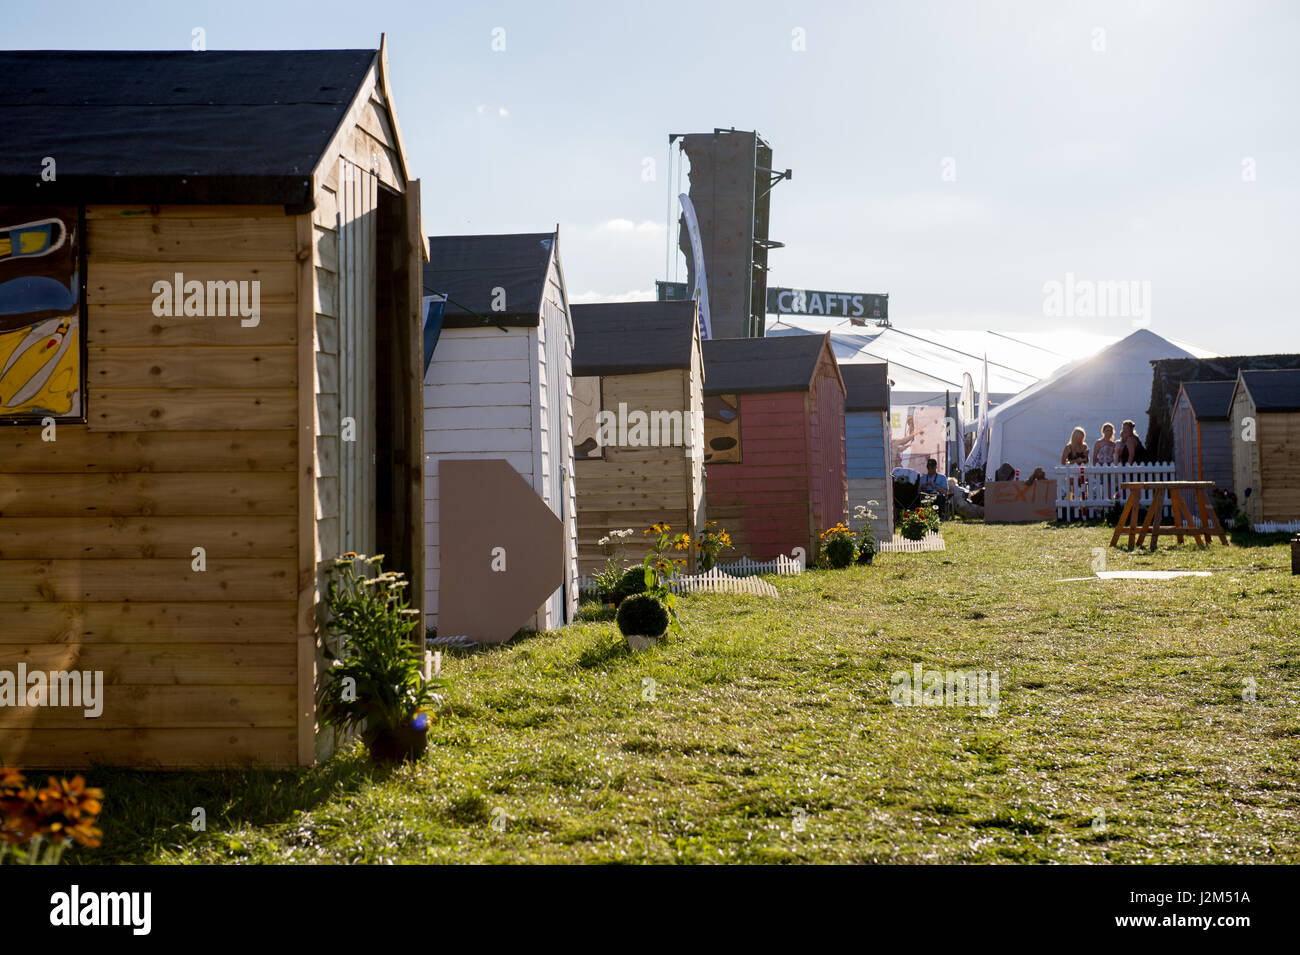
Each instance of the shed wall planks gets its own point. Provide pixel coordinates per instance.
(191, 442)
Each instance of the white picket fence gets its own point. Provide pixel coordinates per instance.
(716, 582)
(932, 540)
(783, 565)
(1273, 527)
(1090, 490)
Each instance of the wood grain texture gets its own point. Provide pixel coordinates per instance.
(143, 494)
(120, 581)
(228, 621)
(192, 409)
(109, 538)
(151, 748)
(77, 450)
(208, 367)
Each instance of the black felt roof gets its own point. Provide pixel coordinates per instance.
(1211, 400)
(171, 127)
(1273, 390)
(867, 384)
(470, 268)
(757, 365)
(627, 338)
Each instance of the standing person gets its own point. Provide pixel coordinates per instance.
(1130, 445)
(1076, 452)
(1103, 452)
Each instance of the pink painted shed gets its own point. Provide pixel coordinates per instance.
(774, 442)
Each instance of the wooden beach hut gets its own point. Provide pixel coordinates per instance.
(1202, 433)
(209, 381)
(774, 455)
(638, 422)
(1266, 444)
(867, 444)
(499, 386)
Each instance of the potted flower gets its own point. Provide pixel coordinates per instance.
(708, 545)
(866, 546)
(608, 578)
(376, 683)
(839, 545)
(642, 619)
(914, 524)
(648, 605)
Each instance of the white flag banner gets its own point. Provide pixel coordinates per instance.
(701, 291)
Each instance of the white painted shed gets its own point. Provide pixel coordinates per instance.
(499, 383)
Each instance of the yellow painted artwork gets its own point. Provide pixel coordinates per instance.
(40, 314)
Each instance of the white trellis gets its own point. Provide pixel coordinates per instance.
(932, 541)
(1090, 490)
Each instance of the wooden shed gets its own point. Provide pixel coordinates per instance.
(638, 422)
(867, 444)
(499, 384)
(774, 455)
(1202, 432)
(230, 399)
(1266, 444)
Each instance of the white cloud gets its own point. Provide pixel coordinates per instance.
(636, 295)
(627, 225)
(502, 111)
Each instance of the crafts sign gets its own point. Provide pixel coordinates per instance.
(858, 307)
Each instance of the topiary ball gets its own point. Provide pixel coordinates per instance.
(632, 582)
(840, 551)
(642, 615)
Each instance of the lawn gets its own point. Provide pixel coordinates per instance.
(1125, 731)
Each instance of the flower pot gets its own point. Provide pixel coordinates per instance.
(399, 744)
(637, 642)
(866, 558)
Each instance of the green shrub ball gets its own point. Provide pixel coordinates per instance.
(840, 551)
(632, 582)
(642, 615)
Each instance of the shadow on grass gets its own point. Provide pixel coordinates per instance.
(146, 813)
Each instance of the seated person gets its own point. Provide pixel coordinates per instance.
(1076, 452)
(932, 482)
(1130, 446)
(1103, 452)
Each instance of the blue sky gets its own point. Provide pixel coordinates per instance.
(1114, 156)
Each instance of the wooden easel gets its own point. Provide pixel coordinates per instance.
(1185, 522)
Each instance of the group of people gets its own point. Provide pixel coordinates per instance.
(1127, 449)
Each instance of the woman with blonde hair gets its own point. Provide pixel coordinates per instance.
(1103, 452)
(1076, 452)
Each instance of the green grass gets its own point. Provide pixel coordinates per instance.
(1117, 697)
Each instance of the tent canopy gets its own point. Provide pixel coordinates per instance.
(924, 364)
(1032, 428)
